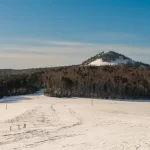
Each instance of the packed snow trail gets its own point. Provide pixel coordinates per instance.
(73, 124)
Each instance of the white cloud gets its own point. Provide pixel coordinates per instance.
(63, 53)
(75, 49)
(53, 42)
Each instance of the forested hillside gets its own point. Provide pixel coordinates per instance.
(81, 81)
(99, 82)
(20, 84)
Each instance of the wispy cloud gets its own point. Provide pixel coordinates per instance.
(55, 53)
(106, 36)
(53, 42)
(74, 49)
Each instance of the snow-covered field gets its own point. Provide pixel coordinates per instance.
(73, 124)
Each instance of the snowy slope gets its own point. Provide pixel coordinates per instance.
(100, 62)
(74, 124)
(119, 61)
(112, 58)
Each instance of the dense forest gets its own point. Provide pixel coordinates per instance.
(99, 82)
(20, 84)
(81, 81)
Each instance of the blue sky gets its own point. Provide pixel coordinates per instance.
(42, 33)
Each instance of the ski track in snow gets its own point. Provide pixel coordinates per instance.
(73, 124)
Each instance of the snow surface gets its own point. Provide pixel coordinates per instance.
(73, 124)
(100, 62)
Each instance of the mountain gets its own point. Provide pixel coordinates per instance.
(113, 58)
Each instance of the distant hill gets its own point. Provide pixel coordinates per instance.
(113, 58)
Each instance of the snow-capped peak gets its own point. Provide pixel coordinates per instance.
(112, 58)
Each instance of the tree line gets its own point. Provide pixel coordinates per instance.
(81, 81)
(19, 84)
(99, 82)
